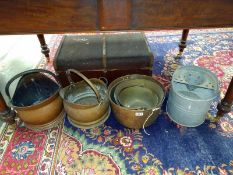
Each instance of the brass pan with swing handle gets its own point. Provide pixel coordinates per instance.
(86, 102)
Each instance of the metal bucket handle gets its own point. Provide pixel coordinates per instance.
(26, 73)
(104, 79)
(85, 79)
(143, 126)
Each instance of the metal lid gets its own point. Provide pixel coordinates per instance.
(195, 82)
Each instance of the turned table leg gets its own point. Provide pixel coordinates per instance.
(44, 47)
(225, 105)
(183, 40)
(6, 114)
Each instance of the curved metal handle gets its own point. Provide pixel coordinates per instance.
(26, 73)
(104, 79)
(85, 79)
(143, 126)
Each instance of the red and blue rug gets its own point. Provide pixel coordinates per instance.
(112, 149)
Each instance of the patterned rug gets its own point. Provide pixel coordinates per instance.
(112, 149)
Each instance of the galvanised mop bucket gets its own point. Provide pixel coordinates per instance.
(192, 92)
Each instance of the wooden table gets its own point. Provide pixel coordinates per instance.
(63, 16)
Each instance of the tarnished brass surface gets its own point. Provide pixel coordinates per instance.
(38, 112)
(137, 98)
(84, 112)
(48, 125)
(42, 113)
(82, 103)
(134, 118)
(87, 81)
(138, 94)
(88, 125)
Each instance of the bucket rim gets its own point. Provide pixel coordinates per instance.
(84, 105)
(216, 91)
(35, 106)
(131, 77)
(190, 99)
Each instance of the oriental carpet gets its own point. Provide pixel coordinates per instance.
(113, 149)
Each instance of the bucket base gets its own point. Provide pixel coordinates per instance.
(90, 125)
(185, 125)
(46, 126)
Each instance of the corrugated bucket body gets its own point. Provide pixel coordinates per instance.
(192, 92)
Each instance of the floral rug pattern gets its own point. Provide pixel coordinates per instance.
(112, 149)
(24, 151)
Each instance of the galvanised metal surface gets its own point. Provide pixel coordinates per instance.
(192, 92)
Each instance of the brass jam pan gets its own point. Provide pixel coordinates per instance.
(135, 95)
(136, 118)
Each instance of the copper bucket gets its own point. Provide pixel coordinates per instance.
(36, 99)
(86, 102)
